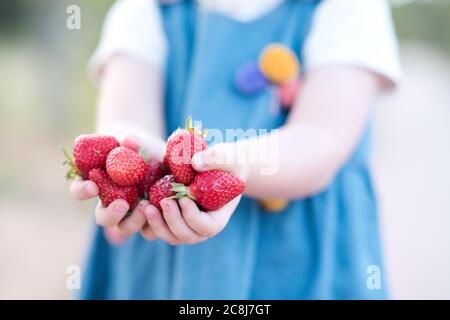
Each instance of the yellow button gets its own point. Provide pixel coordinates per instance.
(273, 205)
(278, 63)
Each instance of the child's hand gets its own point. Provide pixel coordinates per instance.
(115, 214)
(182, 222)
(185, 223)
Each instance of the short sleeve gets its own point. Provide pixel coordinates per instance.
(357, 33)
(134, 28)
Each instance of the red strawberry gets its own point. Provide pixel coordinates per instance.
(110, 191)
(181, 146)
(212, 189)
(89, 152)
(160, 190)
(153, 173)
(125, 166)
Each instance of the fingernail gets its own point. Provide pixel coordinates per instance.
(163, 203)
(120, 209)
(182, 201)
(149, 213)
(142, 205)
(144, 202)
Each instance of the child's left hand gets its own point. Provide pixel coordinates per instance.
(185, 223)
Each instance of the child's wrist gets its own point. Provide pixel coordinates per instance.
(122, 131)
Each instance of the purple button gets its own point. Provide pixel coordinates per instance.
(249, 79)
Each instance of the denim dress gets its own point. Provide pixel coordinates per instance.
(322, 247)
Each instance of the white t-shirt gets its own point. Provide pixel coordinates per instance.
(344, 32)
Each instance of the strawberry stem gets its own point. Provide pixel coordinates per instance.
(181, 191)
(73, 172)
(193, 130)
(144, 154)
(188, 124)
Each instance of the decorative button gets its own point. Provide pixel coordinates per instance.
(273, 205)
(279, 64)
(249, 79)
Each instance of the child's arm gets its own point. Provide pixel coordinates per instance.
(323, 129)
(130, 103)
(321, 133)
(130, 108)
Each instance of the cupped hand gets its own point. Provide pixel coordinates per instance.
(116, 215)
(182, 222)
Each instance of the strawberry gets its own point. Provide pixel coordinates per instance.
(161, 189)
(181, 146)
(125, 166)
(153, 173)
(212, 189)
(89, 152)
(110, 191)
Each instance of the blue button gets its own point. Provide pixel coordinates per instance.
(249, 80)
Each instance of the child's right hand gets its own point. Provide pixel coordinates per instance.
(114, 214)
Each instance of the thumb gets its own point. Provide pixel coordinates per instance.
(218, 157)
(211, 158)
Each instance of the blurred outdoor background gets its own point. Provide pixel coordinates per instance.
(46, 100)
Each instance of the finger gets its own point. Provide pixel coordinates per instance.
(222, 216)
(83, 190)
(159, 226)
(211, 158)
(113, 236)
(176, 223)
(220, 157)
(148, 233)
(111, 216)
(134, 222)
(199, 221)
(131, 143)
(210, 223)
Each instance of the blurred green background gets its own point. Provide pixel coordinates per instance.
(46, 100)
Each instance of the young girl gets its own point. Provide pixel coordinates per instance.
(158, 62)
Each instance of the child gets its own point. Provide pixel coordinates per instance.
(158, 62)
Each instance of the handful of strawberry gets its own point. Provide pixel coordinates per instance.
(122, 173)
(119, 172)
